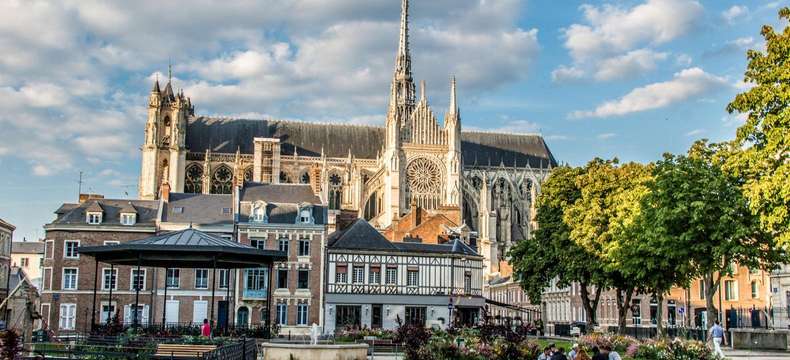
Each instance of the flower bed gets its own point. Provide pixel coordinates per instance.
(664, 349)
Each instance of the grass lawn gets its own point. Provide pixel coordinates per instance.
(559, 343)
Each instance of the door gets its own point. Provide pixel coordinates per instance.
(222, 315)
(199, 311)
(375, 316)
(242, 317)
(171, 312)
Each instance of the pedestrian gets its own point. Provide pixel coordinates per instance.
(559, 354)
(205, 329)
(582, 355)
(574, 352)
(603, 354)
(546, 354)
(717, 333)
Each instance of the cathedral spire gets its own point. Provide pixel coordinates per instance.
(453, 98)
(403, 60)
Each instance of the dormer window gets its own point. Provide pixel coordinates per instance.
(259, 212)
(94, 218)
(305, 214)
(128, 219)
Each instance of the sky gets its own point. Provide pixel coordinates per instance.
(626, 79)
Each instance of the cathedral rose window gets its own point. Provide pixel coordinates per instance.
(424, 183)
(222, 180)
(194, 179)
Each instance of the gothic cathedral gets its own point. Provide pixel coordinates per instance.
(484, 181)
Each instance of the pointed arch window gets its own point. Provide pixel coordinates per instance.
(222, 180)
(284, 179)
(194, 179)
(248, 174)
(305, 178)
(335, 191)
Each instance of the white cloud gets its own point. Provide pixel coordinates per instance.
(616, 35)
(557, 137)
(689, 83)
(566, 73)
(734, 120)
(734, 13)
(695, 132)
(606, 136)
(633, 62)
(75, 73)
(683, 60)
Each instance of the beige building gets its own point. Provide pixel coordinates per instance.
(29, 256)
(6, 237)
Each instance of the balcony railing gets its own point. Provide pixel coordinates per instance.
(400, 290)
(255, 294)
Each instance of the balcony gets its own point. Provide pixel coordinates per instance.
(254, 293)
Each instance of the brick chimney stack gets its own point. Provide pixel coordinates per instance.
(164, 191)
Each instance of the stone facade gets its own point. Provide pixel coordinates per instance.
(6, 237)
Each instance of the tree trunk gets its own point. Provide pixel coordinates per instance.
(711, 287)
(623, 304)
(590, 305)
(660, 329)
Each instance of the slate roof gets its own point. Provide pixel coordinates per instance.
(362, 236)
(204, 209)
(482, 148)
(74, 214)
(282, 202)
(27, 247)
(189, 238)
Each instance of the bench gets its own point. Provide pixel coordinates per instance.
(180, 351)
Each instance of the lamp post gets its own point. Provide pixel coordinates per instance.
(450, 308)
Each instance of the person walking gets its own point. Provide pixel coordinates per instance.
(205, 329)
(574, 352)
(717, 333)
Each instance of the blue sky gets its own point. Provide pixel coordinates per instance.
(631, 79)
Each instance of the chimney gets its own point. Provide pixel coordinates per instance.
(164, 191)
(86, 197)
(416, 217)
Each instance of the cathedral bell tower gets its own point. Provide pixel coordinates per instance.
(164, 149)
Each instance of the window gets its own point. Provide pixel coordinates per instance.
(222, 180)
(341, 274)
(467, 282)
(94, 218)
(258, 243)
(257, 279)
(68, 313)
(636, 311)
(348, 316)
(107, 312)
(359, 274)
(194, 179)
(375, 274)
(178, 210)
(304, 247)
(282, 313)
(282, 278)
(223, 278)
(173, 278)
(201, 278)
(109, 279)
(755, 290)
(702, 289)
(24, 262)
(412, 277)
(301, 314)
(259, 212)
(305, 216)
(70, 249)
(391, 276)
(303, 281)
(137, 279)
(283, 245)
(128, 219)
(730, 290)
(415, 315)
(111, 242)
(70, 278)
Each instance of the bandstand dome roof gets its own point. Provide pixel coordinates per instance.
(189, 248)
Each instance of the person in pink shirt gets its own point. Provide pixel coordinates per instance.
(205, 329)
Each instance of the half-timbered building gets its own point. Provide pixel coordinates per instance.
(372, 282)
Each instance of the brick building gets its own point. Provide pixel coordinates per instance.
(291, 218)
(68, 279)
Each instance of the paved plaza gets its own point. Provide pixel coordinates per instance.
(762, 355)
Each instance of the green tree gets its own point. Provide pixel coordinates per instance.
(600, 221)
(698, 212)
(551, 253)
(762, 155)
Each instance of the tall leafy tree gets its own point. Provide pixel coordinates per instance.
(551, 253)
(600, 220)
(763, 142)
(697, 211)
